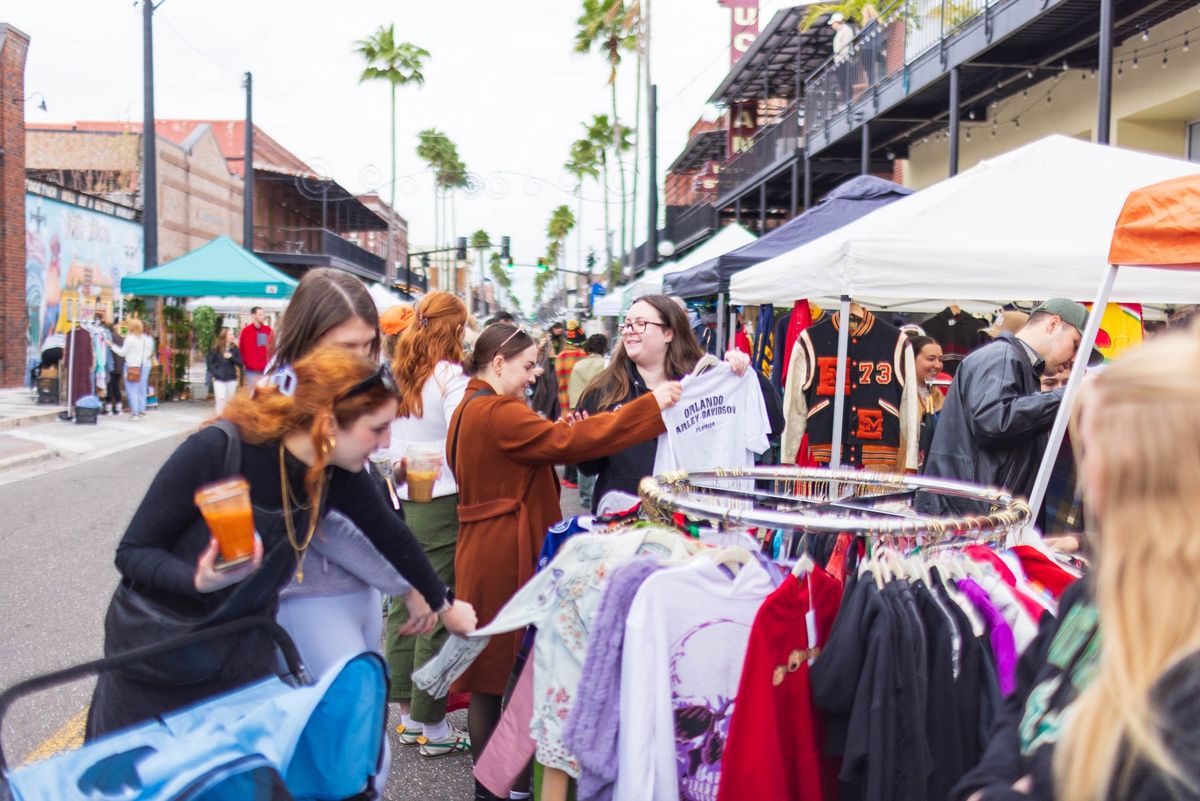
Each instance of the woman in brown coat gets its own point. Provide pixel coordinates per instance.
(503, 456)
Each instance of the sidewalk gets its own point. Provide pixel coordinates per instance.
(32, 434)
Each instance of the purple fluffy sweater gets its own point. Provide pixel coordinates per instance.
(591, 728)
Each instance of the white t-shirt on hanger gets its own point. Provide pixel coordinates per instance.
(720, 421)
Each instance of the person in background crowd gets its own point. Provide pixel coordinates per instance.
(571, 354)
(596, 347)
(502, 316)
(558, 337)
(116, 371)
(329, 307)
(255, 344)
(138, 352)
(503, 454)
(303, 445)
(1108, 694)
(392, 324)
(428, 363)
(992, 429)
(223, 361)
(928, 355)
(544, 397)
(657, 348)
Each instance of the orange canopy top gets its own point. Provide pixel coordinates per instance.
(1160, 226)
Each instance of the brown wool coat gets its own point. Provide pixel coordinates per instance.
(509, 495)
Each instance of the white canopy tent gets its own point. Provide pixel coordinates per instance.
(731, 237)
(1030, 224)
(383, 297)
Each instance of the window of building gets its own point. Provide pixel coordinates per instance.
(1193, 143)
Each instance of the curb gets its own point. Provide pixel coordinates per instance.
(50, 415)
(22, 459)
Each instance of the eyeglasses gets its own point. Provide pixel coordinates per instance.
(381, 376)
(638, 326)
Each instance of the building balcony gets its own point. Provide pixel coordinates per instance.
(687, 225)
(296, 249)
(773, 149)
(895, 75)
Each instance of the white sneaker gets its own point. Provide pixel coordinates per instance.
(457, 742)
(409, 736)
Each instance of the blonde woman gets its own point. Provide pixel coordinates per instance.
(1109, 694)
(138, 352)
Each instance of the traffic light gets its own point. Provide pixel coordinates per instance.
(509, 264)
(591, 260)
(505, 242)
(460, 251)
(542, 266)
(425, 261)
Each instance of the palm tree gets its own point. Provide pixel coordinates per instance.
(602, 136)
(611, 27)
(856, 12)
(583, 163)
(481, 243)
(399, 64)
(449, 171)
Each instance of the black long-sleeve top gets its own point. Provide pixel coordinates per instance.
(222, 367)
(156, 554)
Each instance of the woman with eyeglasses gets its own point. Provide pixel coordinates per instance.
(302, 441)
(657, 347)
(503, 454)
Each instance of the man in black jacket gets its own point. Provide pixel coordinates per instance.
(994, 425)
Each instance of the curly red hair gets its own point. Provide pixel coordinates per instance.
(322, 378)
(434, 335)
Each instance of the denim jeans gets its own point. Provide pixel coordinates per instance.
(136, 391)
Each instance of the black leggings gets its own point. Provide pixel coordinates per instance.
(114, 391)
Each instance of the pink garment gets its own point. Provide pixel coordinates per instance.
(511, 745)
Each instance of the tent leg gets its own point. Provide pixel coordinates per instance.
(1059, 431)
(720, 322)
(732, 344)
(839, 387)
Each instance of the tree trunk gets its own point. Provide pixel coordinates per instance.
(620, 169)
(637, 143)
(613, 274)
(388, 270)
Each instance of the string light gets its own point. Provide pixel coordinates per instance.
(1135, 61)
(1017, 121)
(1029, 74)
(1186, 46)
(1164, 66)
(1048, 98)
(971, 114)
(1145, 34)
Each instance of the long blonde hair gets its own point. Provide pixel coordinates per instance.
(1148, 558)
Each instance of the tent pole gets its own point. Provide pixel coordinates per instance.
(839, 387)
(720, 321)
(954, 121)
(732, 343)
(1059, 431)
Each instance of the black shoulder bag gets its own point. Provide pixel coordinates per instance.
(136, 618)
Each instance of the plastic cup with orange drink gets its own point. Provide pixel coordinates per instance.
(230, 517)
(423, 463)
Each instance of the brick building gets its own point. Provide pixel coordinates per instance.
(14, 321)
(199, 197)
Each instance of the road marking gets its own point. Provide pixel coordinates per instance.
(67, 738)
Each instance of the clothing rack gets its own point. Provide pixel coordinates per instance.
(90, 328)
(834, 490)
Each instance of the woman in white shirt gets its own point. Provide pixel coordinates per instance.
(427, 363)
(138, 351)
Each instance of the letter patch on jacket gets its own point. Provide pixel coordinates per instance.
(870, 424)
(827, 377)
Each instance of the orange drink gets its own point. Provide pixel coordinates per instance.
(423, 464)
(230, 517)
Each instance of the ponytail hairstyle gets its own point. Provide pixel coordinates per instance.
(434, 335)
(281, 404)
(1141, 475)
(506, 339)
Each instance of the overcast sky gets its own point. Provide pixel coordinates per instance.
(503, 82)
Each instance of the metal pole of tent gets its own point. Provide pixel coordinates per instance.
(839, 387)
(732, 343)
(720, 321)
(1059, 431)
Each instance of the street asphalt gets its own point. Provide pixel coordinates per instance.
(60, 524)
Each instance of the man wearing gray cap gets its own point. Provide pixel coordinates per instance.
(994, 425)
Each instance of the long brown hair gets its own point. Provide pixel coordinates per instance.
(434, 335)
(322, 378)
(325, 298)
(1148, 557)
(613, 384)
(506, 339)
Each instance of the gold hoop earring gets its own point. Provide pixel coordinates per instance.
(327, 445)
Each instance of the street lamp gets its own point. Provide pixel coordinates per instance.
(666, 248)
(41, 103)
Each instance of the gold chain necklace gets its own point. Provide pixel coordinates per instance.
(315, 505)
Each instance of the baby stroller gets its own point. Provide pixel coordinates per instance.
(281, 738)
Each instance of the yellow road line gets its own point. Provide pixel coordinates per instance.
(67, 738)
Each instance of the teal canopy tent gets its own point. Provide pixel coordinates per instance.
(221, 267)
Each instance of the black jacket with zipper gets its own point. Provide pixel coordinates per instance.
(993, 427)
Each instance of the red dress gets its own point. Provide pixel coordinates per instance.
(774, 747)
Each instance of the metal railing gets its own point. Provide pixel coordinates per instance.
(685, 223)
(768, 146)
(883, 48)
(318, 241)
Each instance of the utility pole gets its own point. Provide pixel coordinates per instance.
(652, 197)
(149, 156)
(248, 170)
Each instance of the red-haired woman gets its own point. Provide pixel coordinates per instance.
(304, 437)
(427, 361)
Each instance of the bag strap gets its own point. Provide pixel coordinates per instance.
(452, 456)
(233, 449)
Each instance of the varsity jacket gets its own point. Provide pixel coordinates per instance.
(882, 417)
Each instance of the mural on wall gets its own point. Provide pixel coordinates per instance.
(75, 259)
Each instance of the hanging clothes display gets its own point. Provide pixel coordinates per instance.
(955, 330)
(882, 412)
(80, 357)
(763, 356)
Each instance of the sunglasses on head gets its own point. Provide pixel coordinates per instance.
(517, 330)
(381, 376)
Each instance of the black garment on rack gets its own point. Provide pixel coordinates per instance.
(942, 721)
(911, 685)
(782, 351)
(80, 359)
(956, 333)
